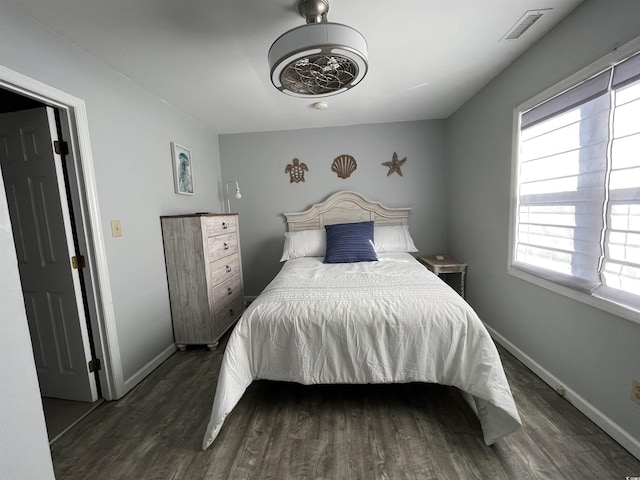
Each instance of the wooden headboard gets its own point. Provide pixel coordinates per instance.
(345, 207)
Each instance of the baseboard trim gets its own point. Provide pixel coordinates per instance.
(249, 298)
(93, 407)
(140, 375)
(614, 430)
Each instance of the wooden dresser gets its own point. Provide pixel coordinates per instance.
(204, 271)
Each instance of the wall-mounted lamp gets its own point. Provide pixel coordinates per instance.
(238, 195)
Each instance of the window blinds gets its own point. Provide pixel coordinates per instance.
(578, 215)
(621, 262)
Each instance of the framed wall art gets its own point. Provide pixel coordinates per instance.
(182, 169)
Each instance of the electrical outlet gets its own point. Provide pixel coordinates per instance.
(635, 391)
(116, 228)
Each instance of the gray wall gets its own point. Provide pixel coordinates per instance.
(593, 353)
(130, 133)
(258, 161)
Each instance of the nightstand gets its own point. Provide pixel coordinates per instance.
(444, 264)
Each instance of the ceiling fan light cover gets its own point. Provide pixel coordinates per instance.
(318, 60)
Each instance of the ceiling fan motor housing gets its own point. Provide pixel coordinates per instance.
(320, 58)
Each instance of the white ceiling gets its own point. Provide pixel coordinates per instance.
(209, 58)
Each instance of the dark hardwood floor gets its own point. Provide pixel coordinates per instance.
(289, 431)
(61, 415)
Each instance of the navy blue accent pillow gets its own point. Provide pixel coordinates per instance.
(350, 242)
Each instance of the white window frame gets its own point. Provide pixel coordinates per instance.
(607, 61)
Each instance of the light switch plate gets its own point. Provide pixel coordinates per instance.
(635, 391)
(116, 228)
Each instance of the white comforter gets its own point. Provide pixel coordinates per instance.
(390, 321)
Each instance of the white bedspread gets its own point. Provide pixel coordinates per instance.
(390, 321)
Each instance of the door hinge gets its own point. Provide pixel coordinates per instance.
(60, 147)
(78, 261)
(94, 365)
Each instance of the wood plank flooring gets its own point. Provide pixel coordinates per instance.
(60, 415)
(289, 431)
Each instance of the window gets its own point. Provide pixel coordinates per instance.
(577, 218)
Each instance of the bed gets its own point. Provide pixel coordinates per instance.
(361, 321)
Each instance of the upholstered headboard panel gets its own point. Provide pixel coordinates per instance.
(345, 207)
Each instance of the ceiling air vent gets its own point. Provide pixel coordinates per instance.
(524, 23)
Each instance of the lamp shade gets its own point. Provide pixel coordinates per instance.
(318, 60)
(238, 195)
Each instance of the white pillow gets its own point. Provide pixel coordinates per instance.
(304, 243)
(393, 239)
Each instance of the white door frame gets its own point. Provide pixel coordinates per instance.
(75, 126)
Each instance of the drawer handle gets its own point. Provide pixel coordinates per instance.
(224, 225)
(228, 269)
(225, 246)
(229, 291)
(232, 312)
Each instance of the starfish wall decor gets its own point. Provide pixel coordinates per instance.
(395, 164)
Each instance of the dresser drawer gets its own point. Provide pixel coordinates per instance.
(222, 246)
(228, 314)
(220, 224)
(223, 269)
(227, 290)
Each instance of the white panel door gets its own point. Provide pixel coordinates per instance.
(40, 220)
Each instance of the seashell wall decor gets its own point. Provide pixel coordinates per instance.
(296, 171)
(344, 166)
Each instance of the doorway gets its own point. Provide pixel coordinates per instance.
(46, 237)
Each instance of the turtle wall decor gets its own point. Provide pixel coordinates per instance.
(296, 171)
